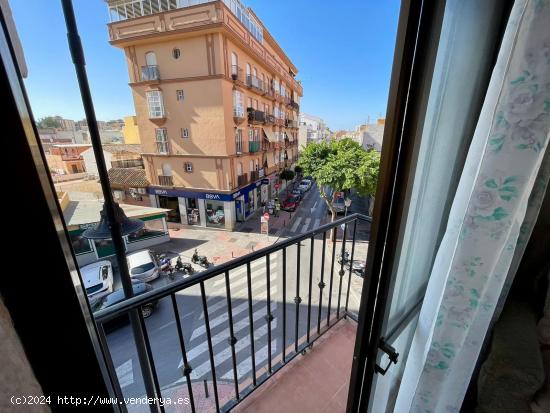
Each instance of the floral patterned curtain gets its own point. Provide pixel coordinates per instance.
(495, 207)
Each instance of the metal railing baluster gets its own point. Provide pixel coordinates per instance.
(251, 321)
(331, 277)
(210, 348)
(297, 298)
(321, 283)
(342, 272)
(269, 316)
(309, 288)
(160, 407)
(186, 367)
(232, 338)
(284, 305)
(351, 266)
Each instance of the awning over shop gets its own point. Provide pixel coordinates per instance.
(288, 136)
(269, 135)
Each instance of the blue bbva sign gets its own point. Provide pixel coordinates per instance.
(211, 196)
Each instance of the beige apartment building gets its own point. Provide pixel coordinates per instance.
(217, 105)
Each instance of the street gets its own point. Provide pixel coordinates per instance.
(161, 325)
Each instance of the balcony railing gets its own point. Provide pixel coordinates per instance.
(291, 123)
(150, 73)
(269, 120)
(253, 146)
(254, 176)
(295, 105)
(236, 73)
(166, 180)
(255, 116)
(305, 291)
(239, 146)
(242, 180)
(255, 83)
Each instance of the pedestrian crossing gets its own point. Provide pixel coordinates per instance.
(302, 226)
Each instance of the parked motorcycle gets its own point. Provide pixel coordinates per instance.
(200, 259)
(184, 267)
(358, 267)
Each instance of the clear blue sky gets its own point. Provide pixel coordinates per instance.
(343, 51)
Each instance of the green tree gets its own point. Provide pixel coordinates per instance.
(286, 175)
(49, 122)
(340, 165)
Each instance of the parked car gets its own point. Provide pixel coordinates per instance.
(291, 203)
(97, 278)
(143, 266)
(305, 184)
(339, 205)
(297, 192)
(118, 296)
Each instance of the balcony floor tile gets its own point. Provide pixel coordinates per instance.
(317, 382)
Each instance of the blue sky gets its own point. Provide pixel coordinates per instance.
(343, 51)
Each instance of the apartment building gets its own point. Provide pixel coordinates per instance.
(311, 129)
(217, 105)
(66, 159)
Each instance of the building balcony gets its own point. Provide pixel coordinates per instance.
(269, 93)
(165, 180)
(163, 148)
(254, 176)
(295, 105)
(269, 120)
(150, 73)
(237, 74)
(279, 122)
(254, 83)
(71, 157)
(242, 180)
(254, 146)
(290, 123)
(301, 321)
(238, 115)
(255, 116)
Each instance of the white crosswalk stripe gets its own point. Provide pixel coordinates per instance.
(125, 374)
(317, 223)
(225, 355)
(306, 225)
(296, 224)
(245, 366)
(196, 351)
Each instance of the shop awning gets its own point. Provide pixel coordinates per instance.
(269, 135)
(288, 136)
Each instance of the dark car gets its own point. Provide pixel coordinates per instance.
(118, 296)
(291, 203)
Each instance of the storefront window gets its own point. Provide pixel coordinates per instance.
(193, 213)
(80, 244)
(153, 228)
(171, 203)
(215, 215)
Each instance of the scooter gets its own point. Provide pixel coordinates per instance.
(358, 267)
(200, 259)
(185, 268)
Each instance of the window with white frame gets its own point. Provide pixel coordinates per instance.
(154, 101)
(188, 167)
(162, 140)
(238, 109)
(239, 140)
(184, 132)
(179, 94)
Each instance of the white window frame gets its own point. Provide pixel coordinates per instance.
(155, 104)
(161, 138)
(185, 133)
(188, 166)
(180, 95)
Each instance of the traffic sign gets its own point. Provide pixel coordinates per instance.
(266, 216)
(277, 186)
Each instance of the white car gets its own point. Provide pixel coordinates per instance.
(305, 184)
(98, 278)
(143, 266)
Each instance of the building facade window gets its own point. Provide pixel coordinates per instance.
(161, 138)
(188, 167)
(155, 104)
(179, 94)
(184, 132)
(215, 214)
(239, 141)
(176, 53)
(238, 109)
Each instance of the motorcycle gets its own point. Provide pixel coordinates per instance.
(184, 267)
(165, 265)
(200, 259)
(358, 267)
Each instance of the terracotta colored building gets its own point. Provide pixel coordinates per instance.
(66, 158)
(217, 105)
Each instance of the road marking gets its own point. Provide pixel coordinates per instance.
(306, 224)
(315, 204)
(246, 365)
(224, 334)
(226, 354)
(317, 223)
(296, 223)
(125, 373)
(242, 270)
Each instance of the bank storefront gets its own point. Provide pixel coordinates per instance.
(210, 209)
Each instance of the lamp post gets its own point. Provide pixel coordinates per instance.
(113, 224)
(347, 204)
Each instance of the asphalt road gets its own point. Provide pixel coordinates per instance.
(287, 315)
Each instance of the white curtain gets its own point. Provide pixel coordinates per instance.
(496, 204)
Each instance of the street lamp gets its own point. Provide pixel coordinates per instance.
(347, 204)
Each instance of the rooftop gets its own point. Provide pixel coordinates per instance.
(122, 148)
(128, 177)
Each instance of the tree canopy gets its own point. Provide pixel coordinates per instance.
(49, 122)
(341, 165)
